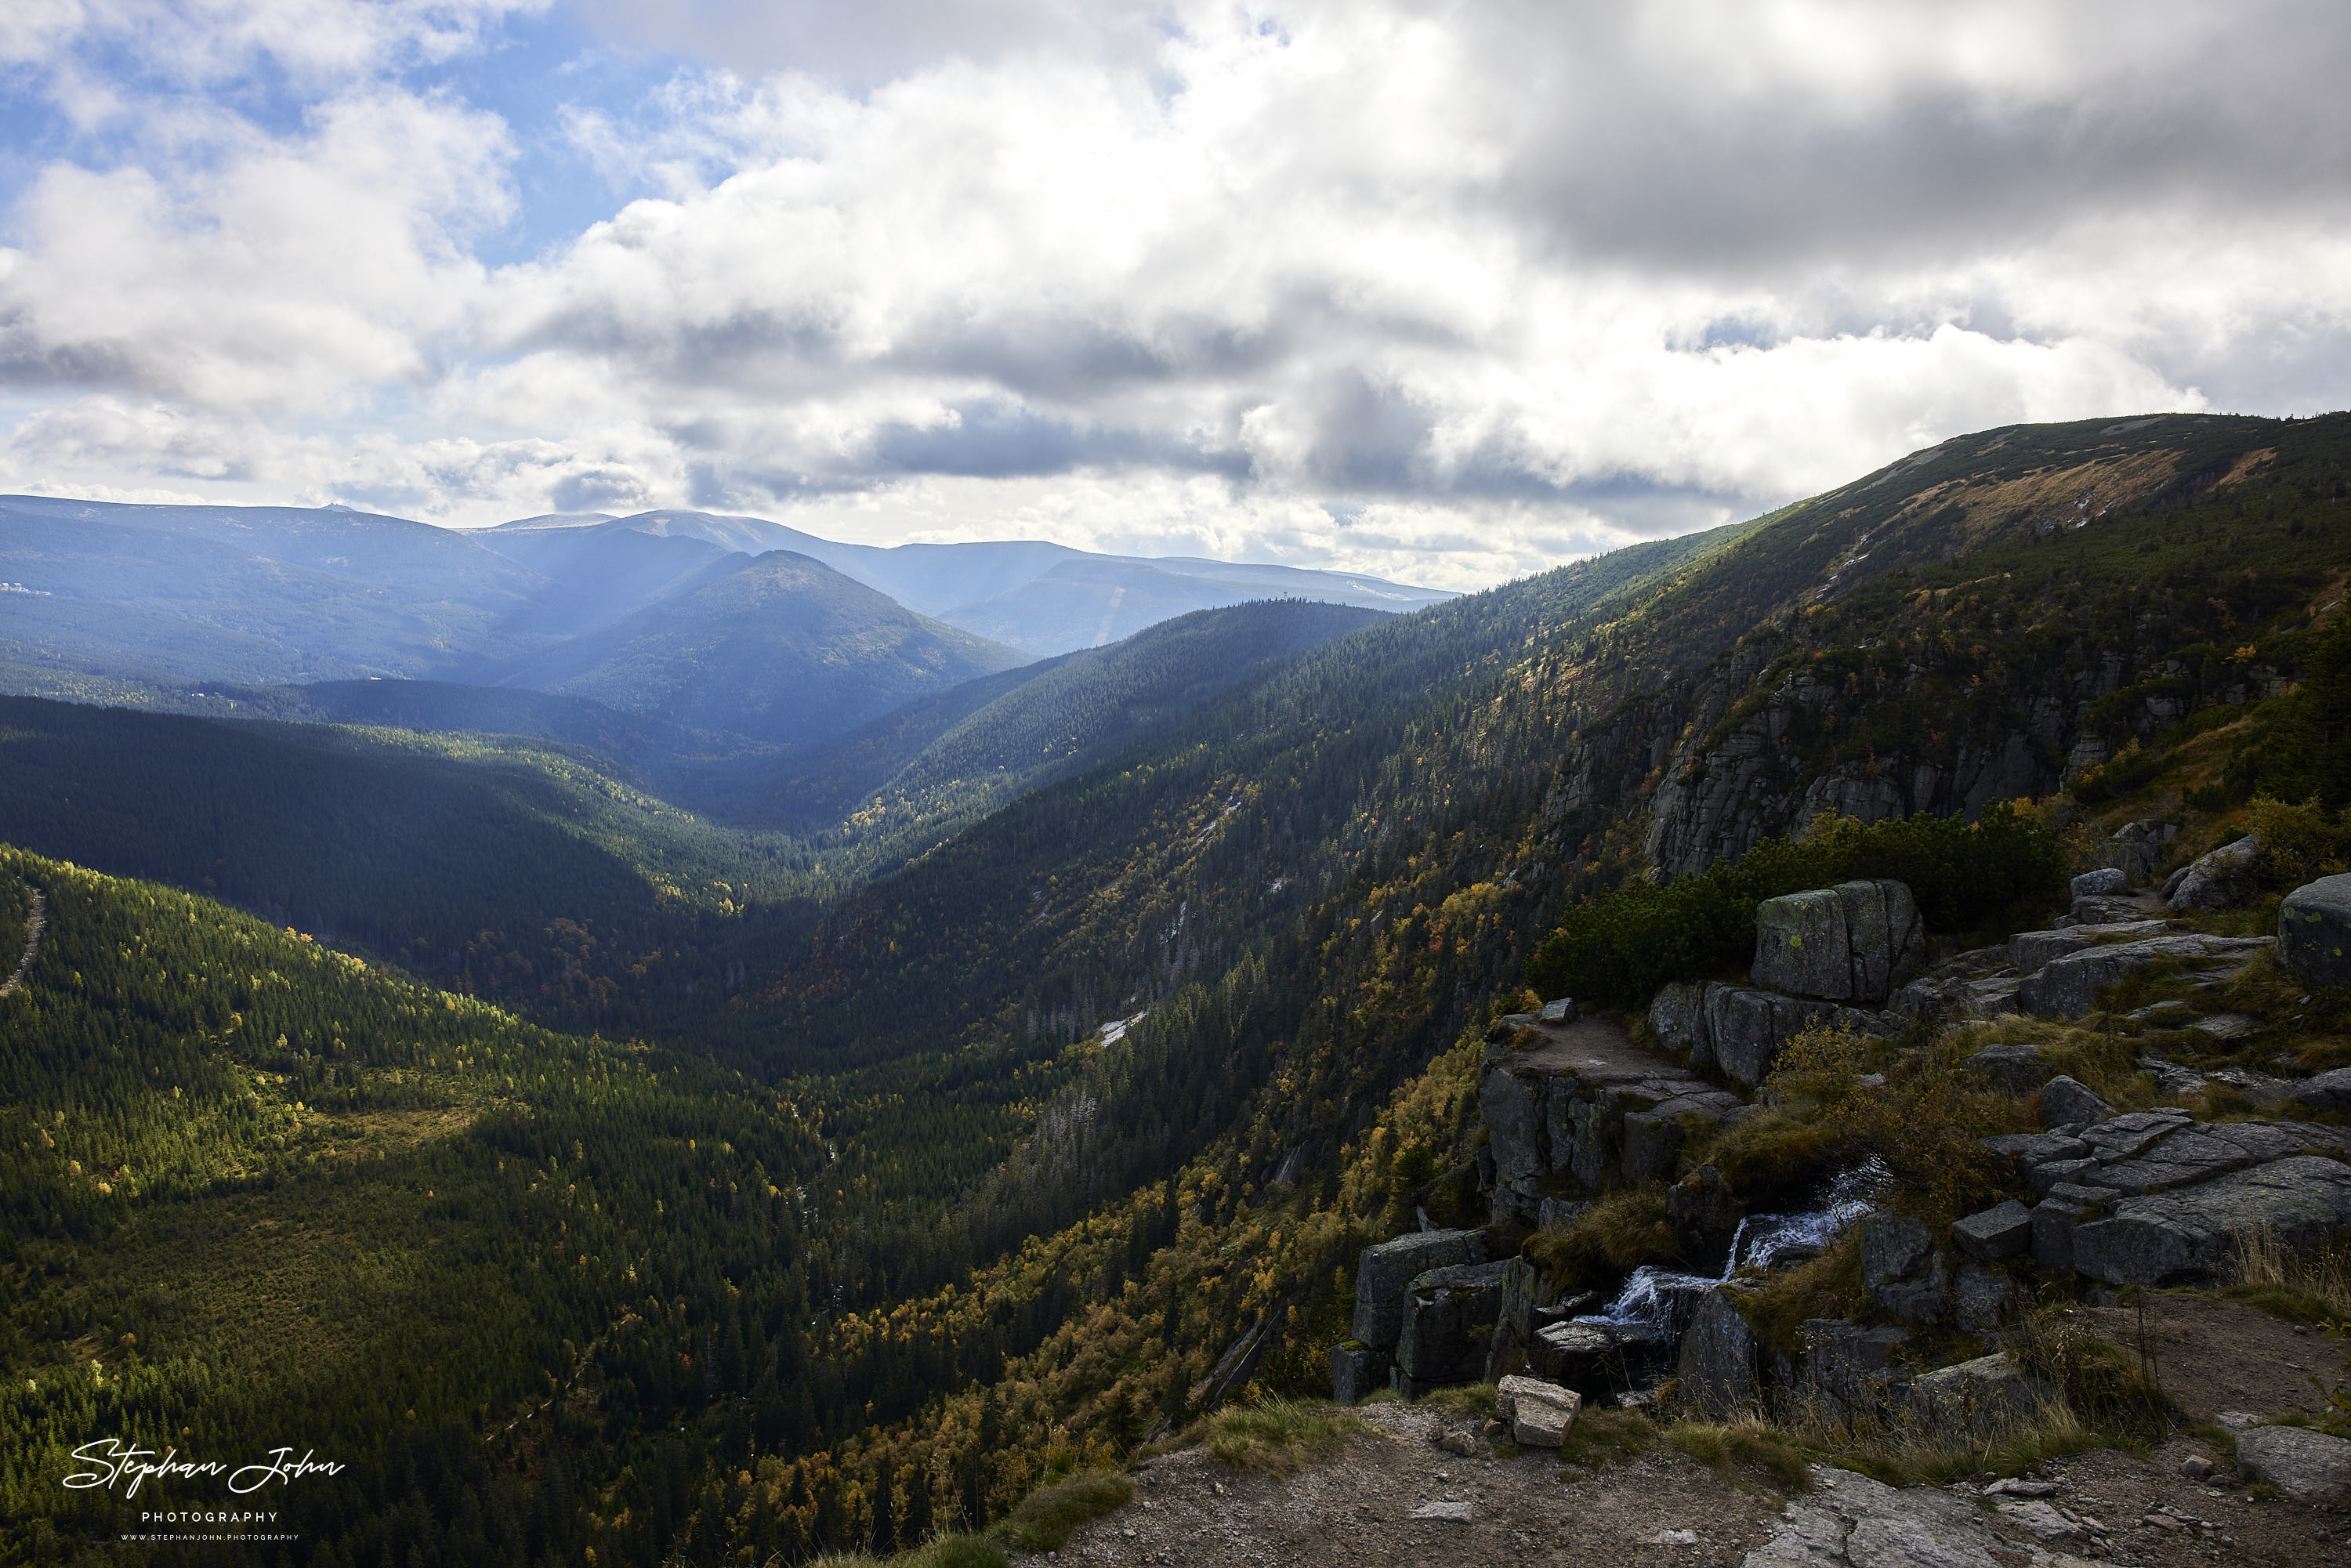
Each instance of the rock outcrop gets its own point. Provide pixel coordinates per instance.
(1384, 1273)
(1583, 1106)
(1848, 1521)
(1855, 942)
(1901, 1269)
(1718, 1368)
(2194, 1234)
(1999, 1232)
(1741, 1028)
(2326, 1092)
(1448, 1328)
(2315, 932)
(2068, 987)
(2229, 874)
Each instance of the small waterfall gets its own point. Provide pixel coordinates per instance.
(1659, 1300)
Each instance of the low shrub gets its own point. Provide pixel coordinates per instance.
(1607, 1241)
(959, 1552)
(1622, 946)
(1926, 1124)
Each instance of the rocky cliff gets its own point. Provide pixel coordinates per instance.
(1994, 617)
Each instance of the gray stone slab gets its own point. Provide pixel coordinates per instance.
(2192, 1233)
(2120, 1137)
(2067, 1103)
(2309, 1467)
(2326, 1092)
(2068, 987)
(1855, 942)
(1996, 1233)
(2226, 876)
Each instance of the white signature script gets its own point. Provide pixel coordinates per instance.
(110, 1460)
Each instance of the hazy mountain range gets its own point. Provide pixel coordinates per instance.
(729, 626)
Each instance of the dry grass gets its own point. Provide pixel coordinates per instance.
(1779, 1151)
(2308, 1286)
(1609, 1239)
(1925, 1124)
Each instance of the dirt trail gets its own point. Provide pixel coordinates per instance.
(1393, 1497)
(34, 923)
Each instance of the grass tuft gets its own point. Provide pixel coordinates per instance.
(1829, 1286)
(1736, 1450)
(1045, 1517)
(2309, 1286)
(959, 1551)
(1467, 1401)
(1279, 1437)
(1599, 1436)
(1607, 1241)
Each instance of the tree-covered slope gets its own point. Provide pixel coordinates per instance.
(954, 756)
(506, 870)
(257, 1196)
(254, 594)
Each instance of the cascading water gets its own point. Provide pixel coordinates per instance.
(1658, 1301)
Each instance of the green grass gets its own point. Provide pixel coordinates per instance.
(959, 1552)
(1609, 1239)
(1467, 1401)
(1829, 1286)
(1046, 1516)
(1736, 1451)
(1599, 1436)
(1279, 1437)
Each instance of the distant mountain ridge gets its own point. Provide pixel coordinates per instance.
(732, 626)
(1043, 599)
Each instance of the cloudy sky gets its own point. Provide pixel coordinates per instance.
(1445, 292)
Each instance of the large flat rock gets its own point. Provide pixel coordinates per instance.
(2068, 986)
(2192, 1233)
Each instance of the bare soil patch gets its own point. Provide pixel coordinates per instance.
(2215, 1356)
(1358, 1509)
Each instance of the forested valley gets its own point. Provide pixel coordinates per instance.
(591, 1172)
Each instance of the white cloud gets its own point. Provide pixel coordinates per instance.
(1444, 292)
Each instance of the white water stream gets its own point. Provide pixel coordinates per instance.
(1649, 1298)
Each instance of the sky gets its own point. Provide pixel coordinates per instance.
(1447, 293)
